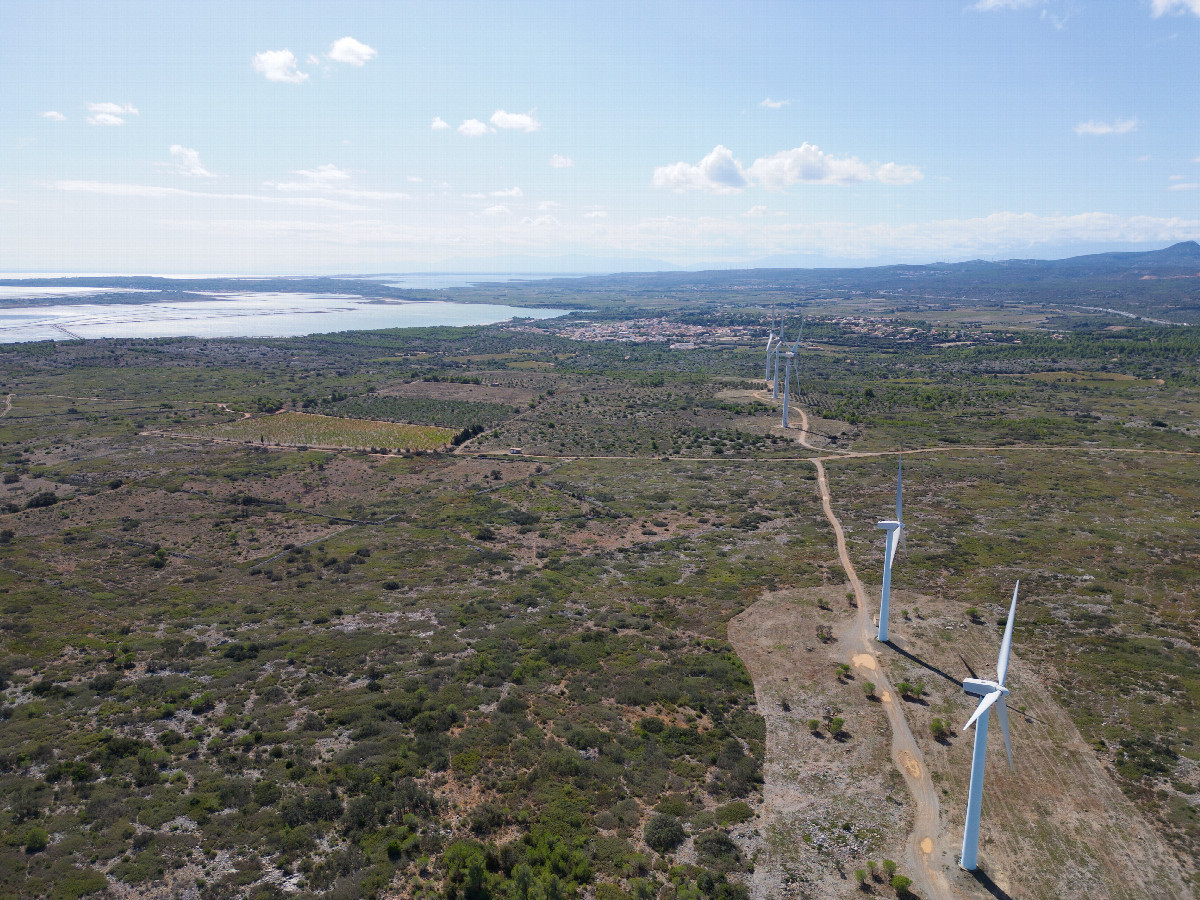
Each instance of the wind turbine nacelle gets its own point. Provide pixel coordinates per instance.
(980, 688)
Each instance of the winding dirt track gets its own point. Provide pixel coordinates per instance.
(921, 850)
(7, 405)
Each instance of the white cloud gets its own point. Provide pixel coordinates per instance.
(891, 173)
(509, 192)
(473, 128)
(1175, 178)
(539, 221)
(109, 113)
(774, 104)
(415, 179)
(807, 163)
(1118, 126)
(515, 121)
(1184, 186)
(718, 172)
(1162, 7)
(117, 189)
(187, 162)
(988, 5)
(497, 211)
(596, 214)
(755, 212)
(351, 52)
(279, 65)
(721, 173)
(326, 174)
(558, 161)
(439, 124)
(54, 116)
(548, 205)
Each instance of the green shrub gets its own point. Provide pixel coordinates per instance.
(36, 840)
(663, 833)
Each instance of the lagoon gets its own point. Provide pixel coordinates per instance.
(247, 314)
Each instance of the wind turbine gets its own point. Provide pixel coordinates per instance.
(895, 531)
(770, 343)
(788, 356)
(992, 694)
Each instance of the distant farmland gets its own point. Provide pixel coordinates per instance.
(304, 429)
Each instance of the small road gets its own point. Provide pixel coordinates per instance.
(7, 405)
(921, 850)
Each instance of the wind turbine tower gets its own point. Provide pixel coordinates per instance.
(993, 693)
(770, 345)
(788, 356)
(895, 531)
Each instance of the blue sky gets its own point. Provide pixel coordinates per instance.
(307, 137)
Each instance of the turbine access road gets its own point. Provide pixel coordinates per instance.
(922, 850)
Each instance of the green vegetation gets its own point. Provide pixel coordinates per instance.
(226, 666)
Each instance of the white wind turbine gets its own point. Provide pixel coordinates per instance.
(770, 345)
(788, 356)
(993, 693)
(895, 532)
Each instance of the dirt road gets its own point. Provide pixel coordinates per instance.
(7, 405)
(923, 852)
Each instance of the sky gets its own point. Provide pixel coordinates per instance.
(344, 137)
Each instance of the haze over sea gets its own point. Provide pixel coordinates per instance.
(251, 313)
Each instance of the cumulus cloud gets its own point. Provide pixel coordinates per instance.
(331, 181)
(439, 124)
(54, 116)
(515, 121)
(721, 173)
(509, 192)
(548, 204)
(351, 52)
(1162, 7)
(558, 161)
(1183, 186)
(718, 172)
(807, 163)
(539, 221)
(473, 128)
(497, 211)
(774, 104)
(755, 212)
(109, 113)
(596, 214)
(279, 65)
(1118, 126)
(187, 162)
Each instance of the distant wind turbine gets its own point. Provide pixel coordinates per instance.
(788, 356)
(993, 694)
(770, 344)
(895, 532)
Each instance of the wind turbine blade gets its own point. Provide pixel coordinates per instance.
(899, 486)
(796, 345)
(984, 705)
(893, 544)
(1002, 715)
(904, 540)
(1006, 644)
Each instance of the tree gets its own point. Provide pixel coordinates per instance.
(835, 725)
(939, 729)
(36, 840)
(869, 689)
(901, 884)
(814, 726)
(889, 868)
(860, 875)
(663, 833)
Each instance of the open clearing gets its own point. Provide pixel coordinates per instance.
(296, 429)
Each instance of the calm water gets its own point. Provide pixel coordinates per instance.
(245, 315)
